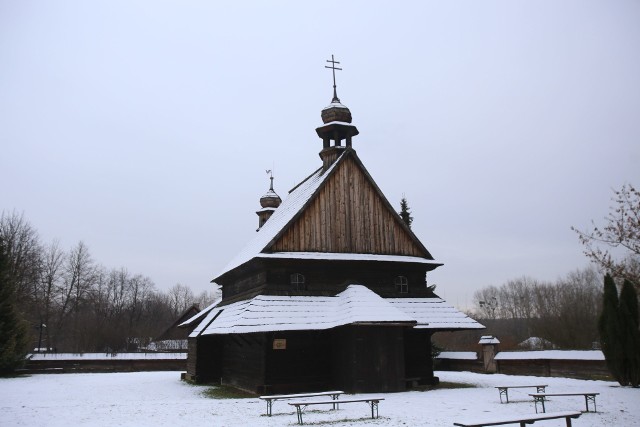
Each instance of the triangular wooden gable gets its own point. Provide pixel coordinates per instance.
(348, 214)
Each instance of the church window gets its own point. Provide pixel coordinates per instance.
(402, 284)
(297, 282)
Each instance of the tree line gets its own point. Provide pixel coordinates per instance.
(72, 303)
(564, 313)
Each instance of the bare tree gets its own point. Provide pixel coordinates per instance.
(23, 250)
(80, 273)
(180, 298)
(616, 246)
(51, 276)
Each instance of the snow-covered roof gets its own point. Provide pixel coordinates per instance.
(334, 104)
(280, 218)
(356, 305)
(551, 354)
(265, 210)
(347, 257)
(434, 313)
(201, 314)
(266, 313)
(458, 355)
(488, 339)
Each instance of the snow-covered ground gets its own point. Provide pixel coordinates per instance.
(161, 399)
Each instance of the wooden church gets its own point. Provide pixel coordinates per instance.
(330, 294)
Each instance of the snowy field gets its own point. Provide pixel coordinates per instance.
(161, 399)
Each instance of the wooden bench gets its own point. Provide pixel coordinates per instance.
(270, 399)
(504, 390)
(528, 419)
(588, 397)
(371, 401)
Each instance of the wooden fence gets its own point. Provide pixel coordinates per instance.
(95, 362)
(550, 363)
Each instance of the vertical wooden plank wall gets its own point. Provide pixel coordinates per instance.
(348, 216)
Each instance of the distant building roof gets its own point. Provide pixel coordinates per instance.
(458, 355)
(488, 339)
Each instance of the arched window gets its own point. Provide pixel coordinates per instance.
(402, 284)
(297, 282)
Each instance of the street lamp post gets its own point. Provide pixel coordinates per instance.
(42, 325)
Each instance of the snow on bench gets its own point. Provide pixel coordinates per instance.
(504, 390)
(272, 398)
(526, 419)
(588, 397)
(371, 401)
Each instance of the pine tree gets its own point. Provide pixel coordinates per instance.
(405, 212)
(13, 330)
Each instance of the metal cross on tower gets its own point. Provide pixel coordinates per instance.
(333, 69)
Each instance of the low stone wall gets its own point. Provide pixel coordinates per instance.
(91, 362)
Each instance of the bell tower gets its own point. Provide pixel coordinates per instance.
(337, 125)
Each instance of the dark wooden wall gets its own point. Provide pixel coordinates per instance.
(204, 358)
(368, 359)
(324, 277)
(348, 215)
(417, 353)
(303, 366)
(243, 361)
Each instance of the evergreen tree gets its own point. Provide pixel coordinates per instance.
(13, 330)
(630, 333)
(405, 212)
(608, 328)
(619, 334)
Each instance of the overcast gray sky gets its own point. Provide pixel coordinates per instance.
(144, 128)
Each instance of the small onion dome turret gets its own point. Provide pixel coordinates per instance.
(336, 112)
(270, 199)
(269, 202)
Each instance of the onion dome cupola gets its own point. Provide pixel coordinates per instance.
(337, 125)
(269, 202)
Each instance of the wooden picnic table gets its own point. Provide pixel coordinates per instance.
(272, 398)
(504, 390)
(522, 420)
(588, 397)
(371, 401)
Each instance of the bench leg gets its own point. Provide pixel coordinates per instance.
(589, 398)
(541, 400)
(541, 389)
(568, 421)
(374, 407)
(335, 397)
(299, 411)
(269, 406)
(505, 392)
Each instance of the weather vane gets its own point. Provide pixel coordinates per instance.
(333, 69)
(270, 173)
